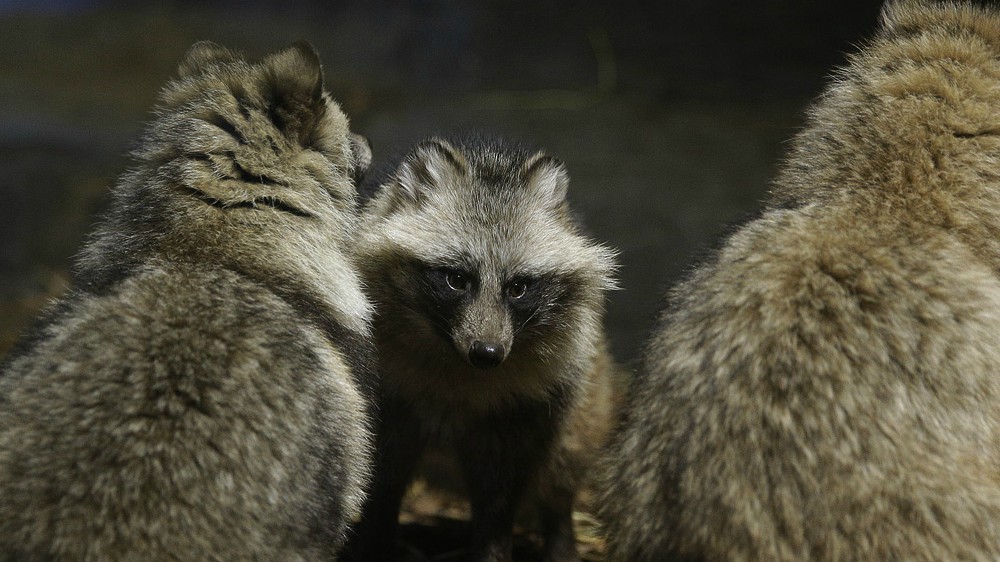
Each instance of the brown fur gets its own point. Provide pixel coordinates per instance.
(198, 395)
(825, 387)
(568, 473)
(565, 482)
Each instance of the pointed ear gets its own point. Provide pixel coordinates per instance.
(432, 163)
(295, 91)
(547, 177)
(202, 54)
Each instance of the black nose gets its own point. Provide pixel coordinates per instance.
(486, 355)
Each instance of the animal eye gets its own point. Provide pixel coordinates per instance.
(457, 281)
(517, 289)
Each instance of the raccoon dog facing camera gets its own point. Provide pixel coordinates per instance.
(489, 329)
(826, 386)
(198, 394)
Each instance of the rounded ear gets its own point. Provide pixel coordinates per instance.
(202, 54)
(547, 177)
(297, 68)
(295, 91)
(431, 163)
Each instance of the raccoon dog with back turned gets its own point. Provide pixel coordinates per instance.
(199, 393)
(826, 386)
(489, 329)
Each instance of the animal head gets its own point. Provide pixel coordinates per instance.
(248, 165)
(243, 135)
(472, 241)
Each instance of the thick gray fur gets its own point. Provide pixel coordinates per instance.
(200, 392)
(826, 386)
(495, 213)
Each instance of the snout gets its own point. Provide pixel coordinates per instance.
(485, 355)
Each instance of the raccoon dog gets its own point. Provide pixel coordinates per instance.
(825, 387)
(198, 393)
(489, 329)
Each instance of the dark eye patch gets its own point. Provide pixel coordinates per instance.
(436, 299)
(543, 298)
(534, 293)
(449, 283)
(458, 281)
(524, 291)
(517, 289)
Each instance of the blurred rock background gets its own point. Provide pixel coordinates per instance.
(671, 116)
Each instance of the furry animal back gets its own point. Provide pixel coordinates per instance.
(199, 393)
(489, 329)
(825, 386)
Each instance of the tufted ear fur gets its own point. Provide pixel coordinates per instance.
(547, 177)
(295, 91)
(432, 163)
(201, 55)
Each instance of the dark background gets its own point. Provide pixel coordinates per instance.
(671, 116)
